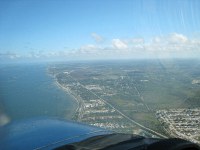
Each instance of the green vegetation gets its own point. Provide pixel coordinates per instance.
(136, 88)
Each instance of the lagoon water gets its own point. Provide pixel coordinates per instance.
(27, 91)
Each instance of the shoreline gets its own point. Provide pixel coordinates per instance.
(80, 110)
(70, 94)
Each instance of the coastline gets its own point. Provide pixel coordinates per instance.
(70, 94)
(105, 110)
(34, 94)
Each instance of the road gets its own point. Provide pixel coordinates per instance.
(131, 120)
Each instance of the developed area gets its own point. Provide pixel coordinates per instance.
(152, 98)
(183, 123)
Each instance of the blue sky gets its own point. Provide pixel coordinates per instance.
(73, 29)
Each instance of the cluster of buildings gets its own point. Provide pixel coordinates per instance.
(96, 112)
(93, 110)
(182, 123)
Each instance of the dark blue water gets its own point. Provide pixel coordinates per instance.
(27, 91)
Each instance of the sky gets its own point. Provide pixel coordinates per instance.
(99, 29)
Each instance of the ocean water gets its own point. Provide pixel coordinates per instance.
(27, 91)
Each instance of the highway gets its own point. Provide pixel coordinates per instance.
(128, 118)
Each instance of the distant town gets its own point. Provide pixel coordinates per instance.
(183, 123)
(148, 98)
(94, 110)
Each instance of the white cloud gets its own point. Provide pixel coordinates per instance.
(89, 47)
(97, 37)
(10, 55)
(171, 45)
(177, 38)
(137, 41)
(156, 40)
(119, 44)
(174, 45)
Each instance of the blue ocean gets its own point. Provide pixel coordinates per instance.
(27, 91)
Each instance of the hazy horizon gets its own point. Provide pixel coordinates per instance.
(73, 30)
